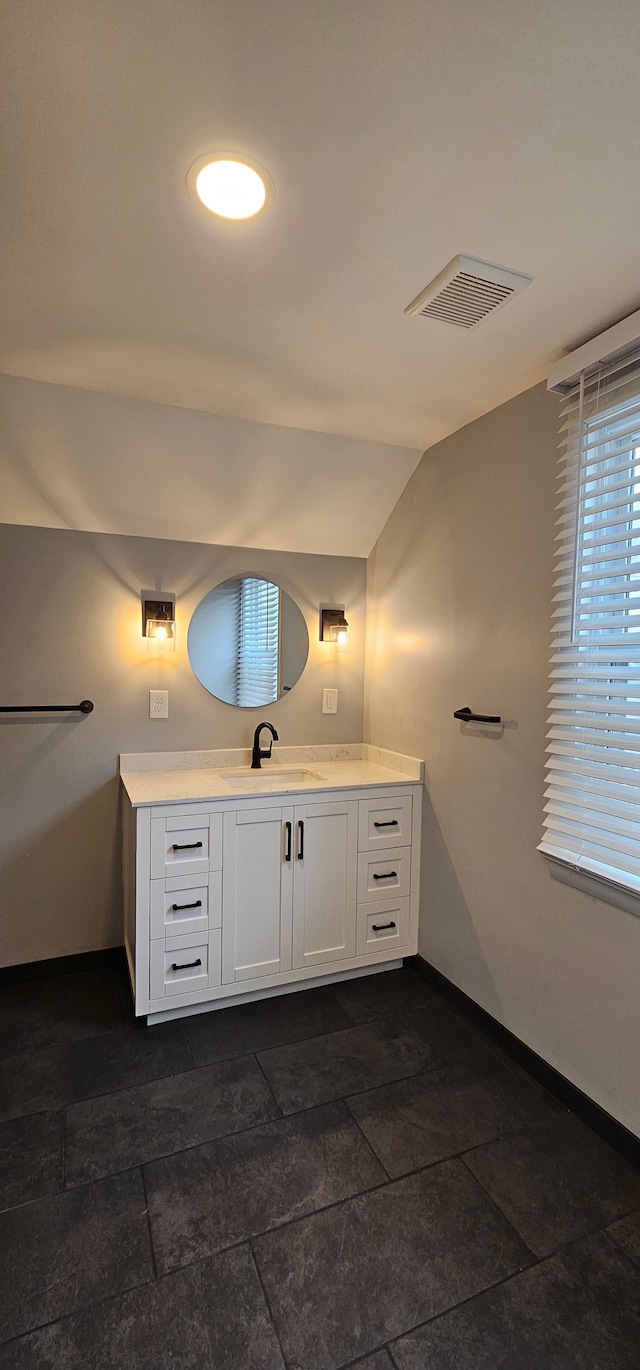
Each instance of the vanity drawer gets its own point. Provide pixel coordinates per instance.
(186, 903)
(382, 926)
(181, 965)
(188, 845)
(384, 875)
(384, 823)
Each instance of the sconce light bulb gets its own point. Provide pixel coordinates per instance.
(158, 620)
(334, 627)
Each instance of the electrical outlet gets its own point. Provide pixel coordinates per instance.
(158, 703)
(329, 701)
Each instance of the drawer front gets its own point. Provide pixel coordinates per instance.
(186, 904)
(384, 823)
(187, 845)
(383, 926)
(384, 875)
(181, 965)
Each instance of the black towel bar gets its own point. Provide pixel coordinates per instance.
(467, 716)
(85, 707)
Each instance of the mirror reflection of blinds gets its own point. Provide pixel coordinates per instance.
(258, 642)
(593, 771)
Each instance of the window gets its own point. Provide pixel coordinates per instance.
(593, 771)
(257, 670)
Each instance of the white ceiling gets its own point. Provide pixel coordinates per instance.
(397, 132)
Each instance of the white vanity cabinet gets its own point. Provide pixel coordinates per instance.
(231, 899)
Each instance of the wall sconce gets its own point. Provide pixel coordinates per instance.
(159, 619)
(334, 626)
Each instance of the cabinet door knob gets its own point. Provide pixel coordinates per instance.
(300, 841)
(388, 875)
(288, 828)
(187, 965)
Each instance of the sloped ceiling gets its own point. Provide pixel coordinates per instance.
(72, 458)
(397, 132)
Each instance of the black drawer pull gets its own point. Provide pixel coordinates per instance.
(197, 905)
(300, 841)
(188, 965)
(287, 855)
(381, 927)
(388, 875)
(186, 846)
(390, 823)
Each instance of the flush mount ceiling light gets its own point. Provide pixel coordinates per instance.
(232, 187)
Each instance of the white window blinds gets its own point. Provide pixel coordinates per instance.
(593, 771)
(257, 669)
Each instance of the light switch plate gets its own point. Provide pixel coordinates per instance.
(329, 701)
(158, 703)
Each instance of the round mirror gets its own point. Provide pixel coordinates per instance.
(248, 642)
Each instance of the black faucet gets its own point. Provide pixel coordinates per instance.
(257, 754)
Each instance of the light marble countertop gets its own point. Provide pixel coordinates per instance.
(182, 777)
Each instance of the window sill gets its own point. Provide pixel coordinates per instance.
(594, 885)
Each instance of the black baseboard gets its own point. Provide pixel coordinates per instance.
(62, 965)
(613, 1132)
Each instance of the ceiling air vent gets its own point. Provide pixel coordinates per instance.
(466, 291)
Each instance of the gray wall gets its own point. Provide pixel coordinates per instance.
(459, 603)
(72, 629)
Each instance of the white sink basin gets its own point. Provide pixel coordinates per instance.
(267, 776)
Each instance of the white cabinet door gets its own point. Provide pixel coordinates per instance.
(257, 893)
(324, 891)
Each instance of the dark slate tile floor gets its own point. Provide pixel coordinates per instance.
(574, 1310)
(324, 1068)
(556, 1181)
(346, 1176)
(627, 1235)
(116, 1131)
(363, 1271)
(210, 1197)
(30, 1158)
